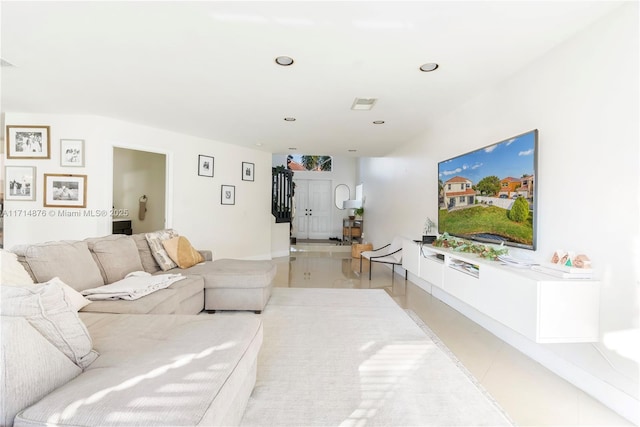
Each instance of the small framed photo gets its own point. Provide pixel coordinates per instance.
(205, 166)
(20, 183)
(72, 152)
(28, 142)
(65, 191)
(247, 171)
(228, 195)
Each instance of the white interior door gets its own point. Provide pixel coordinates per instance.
(313, 209)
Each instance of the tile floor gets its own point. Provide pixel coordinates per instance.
(528, 392)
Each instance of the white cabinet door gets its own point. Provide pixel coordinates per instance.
(568, 311)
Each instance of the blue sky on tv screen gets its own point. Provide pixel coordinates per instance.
(511, 158)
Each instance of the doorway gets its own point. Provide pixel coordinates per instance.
(312, 218)
(140, 188)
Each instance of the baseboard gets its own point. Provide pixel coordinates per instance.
(280, 254)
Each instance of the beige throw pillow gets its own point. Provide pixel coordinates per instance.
(181, 252)
(47, 308)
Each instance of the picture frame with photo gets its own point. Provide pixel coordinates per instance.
(65, 191)
(20, 183)
(72, 152)
(228, 194)
(205, 165)
(28, 142)
(248, 170)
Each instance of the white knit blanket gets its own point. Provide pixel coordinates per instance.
(135, 285)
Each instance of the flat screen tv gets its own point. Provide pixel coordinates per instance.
(489, 195)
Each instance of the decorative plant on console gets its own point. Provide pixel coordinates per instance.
(462, 245)
(426, 232)
(359, 211)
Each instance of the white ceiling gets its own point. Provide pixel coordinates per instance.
(207, 68)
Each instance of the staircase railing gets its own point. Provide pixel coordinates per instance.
(282, 194)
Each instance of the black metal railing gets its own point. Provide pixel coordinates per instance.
(282, 194)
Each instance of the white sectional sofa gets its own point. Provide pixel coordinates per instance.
(212, 285)
(149, 361)
(153, 370)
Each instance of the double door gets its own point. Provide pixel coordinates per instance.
(312, 219)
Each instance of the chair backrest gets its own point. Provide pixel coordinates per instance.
(396, 244)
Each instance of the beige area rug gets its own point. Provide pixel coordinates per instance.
(353, 357)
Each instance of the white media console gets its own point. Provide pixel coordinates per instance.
(541, 307)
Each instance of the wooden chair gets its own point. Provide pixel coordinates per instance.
(390, 253)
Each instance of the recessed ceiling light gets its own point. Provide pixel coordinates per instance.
(258, 144)
(285, 61)
(289, 119)
(378, 122)
(429, 66)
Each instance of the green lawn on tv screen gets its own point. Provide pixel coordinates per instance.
(486, 219)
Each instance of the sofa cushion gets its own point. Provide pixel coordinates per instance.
(116, 255)
(71, 261)
(149, 263)
(181, 252)
(172, 371)
(32, 367)
(46, 307)
(157, 249)
(235, 273)
(12, 271)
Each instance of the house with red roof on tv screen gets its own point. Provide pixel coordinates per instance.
(458, 192)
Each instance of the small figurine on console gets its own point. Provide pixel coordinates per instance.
(582, 261)
(557, 256)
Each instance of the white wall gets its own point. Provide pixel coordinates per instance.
(239, 231)
(583, 98)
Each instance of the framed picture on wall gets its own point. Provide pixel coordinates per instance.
(228, 194)
(72, 152)
(65, 191)
(28, 142)
(247, 171)
(205, 166)
(19, 182)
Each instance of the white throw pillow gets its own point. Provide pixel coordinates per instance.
(157, 249)
(74, 297)
(48, 309)
(12, 272)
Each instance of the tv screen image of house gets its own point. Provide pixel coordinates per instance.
(489, 195)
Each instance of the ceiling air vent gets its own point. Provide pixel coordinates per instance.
(363, 103)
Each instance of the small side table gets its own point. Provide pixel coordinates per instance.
(356, 248)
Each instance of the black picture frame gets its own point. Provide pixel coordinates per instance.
(205, 165)
(248, 171)
(228, 194)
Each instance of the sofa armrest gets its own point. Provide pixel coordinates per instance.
(207, 255)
